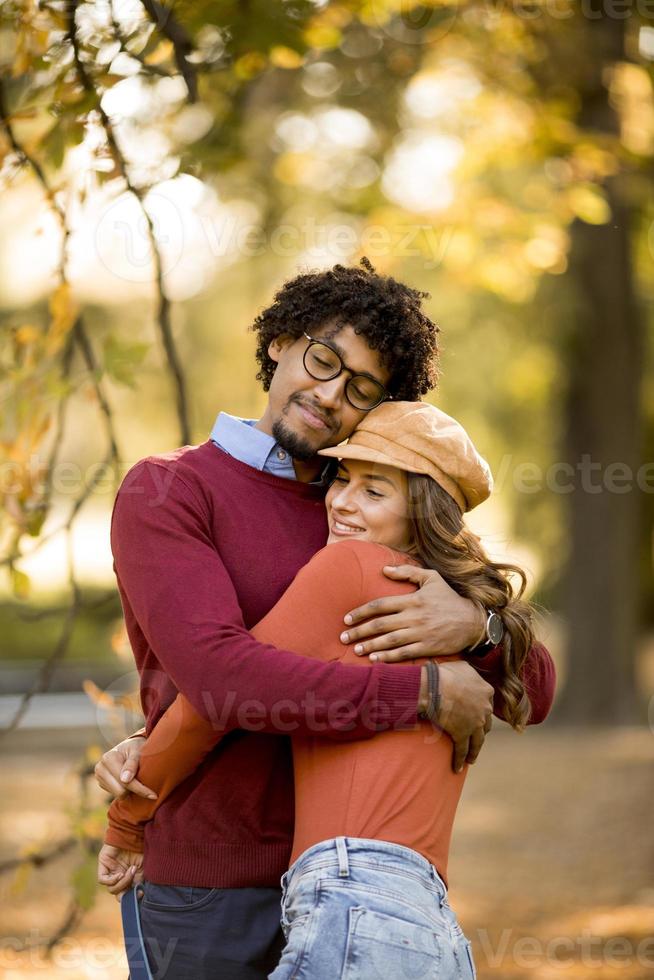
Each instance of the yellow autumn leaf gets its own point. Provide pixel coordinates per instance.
(283, 57)
(589, 204)
(290, 167)
(63, 313)
(21, 879)
(100, 698)
(20, 584)
(335, 15)
(27, 334)
(249, 65)
(323, 36)
(93, 754)
(93, 825)
(162, 52)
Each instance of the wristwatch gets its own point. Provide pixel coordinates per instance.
(494, 632)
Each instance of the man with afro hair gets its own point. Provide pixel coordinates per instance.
(386, 312)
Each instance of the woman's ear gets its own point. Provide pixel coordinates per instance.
(277, 346)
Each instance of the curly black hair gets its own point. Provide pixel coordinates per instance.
(386, 313)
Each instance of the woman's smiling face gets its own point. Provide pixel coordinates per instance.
(369, 502)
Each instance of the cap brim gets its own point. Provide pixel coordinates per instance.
(364, 453)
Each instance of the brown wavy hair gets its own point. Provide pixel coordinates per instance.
(442, 541)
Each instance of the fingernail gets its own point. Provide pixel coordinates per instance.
(358, 648)
(374, 657)
(125, 775)
(152, 796)
(348, 620)
(345, 637)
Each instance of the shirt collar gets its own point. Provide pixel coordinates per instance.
(242, 440)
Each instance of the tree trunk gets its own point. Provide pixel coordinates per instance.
(600, 584)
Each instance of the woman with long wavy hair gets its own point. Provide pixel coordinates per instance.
(365, 896)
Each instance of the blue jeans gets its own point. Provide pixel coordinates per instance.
(355, 909)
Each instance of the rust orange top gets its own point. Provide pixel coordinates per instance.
(397, 786)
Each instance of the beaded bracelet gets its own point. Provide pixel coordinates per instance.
(433, 693)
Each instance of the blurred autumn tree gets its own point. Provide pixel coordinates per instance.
(498, 154)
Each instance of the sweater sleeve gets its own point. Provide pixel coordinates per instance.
(308, 617)
(177, 745)
(538, 676)
(171, 574)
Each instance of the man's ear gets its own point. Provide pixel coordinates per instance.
(279, 345)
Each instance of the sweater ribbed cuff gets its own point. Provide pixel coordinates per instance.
(488, 661)
(126, 840)
(398, 694)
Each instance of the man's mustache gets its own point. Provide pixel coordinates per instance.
(329, 422)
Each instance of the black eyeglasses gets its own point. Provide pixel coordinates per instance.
(362, 391)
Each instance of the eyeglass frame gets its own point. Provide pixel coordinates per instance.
(358, 374)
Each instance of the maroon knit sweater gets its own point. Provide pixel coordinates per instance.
(203, 547)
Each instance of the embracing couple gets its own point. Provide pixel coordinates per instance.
(321, 644)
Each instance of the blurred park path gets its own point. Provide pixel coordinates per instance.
(551, 870)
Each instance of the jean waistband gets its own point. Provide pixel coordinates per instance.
(341, 852)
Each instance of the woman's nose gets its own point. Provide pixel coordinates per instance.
(343, 499)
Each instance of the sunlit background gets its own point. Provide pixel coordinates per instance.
(172, 175)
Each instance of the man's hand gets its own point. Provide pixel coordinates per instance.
(118, 870)
(433, 621)
(117, 768)
(466, 709)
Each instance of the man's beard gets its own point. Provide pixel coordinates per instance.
(294, 445)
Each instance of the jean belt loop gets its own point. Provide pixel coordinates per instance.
(436, 878)
(343, 864)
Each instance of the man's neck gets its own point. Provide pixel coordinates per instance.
(309, 470)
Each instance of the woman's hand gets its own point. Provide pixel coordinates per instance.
(432, 621)
(118, 870)
(117, 768)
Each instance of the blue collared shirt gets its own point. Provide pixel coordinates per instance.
(251, 446)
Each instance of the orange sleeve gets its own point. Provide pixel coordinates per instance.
(307, 619)
(175, 748)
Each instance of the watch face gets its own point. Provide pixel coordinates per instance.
(495, 628)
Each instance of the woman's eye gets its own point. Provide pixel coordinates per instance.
(339, 479)
(375, 494)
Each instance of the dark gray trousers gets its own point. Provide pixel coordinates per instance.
(211, 933)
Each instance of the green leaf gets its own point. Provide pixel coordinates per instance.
(121, 359)
(35, 522)
(65, 133)
(84, 882)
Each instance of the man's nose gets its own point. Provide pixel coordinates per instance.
(330, 394)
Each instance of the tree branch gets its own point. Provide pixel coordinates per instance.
(40, 858)
(166, 23)
(42, 681)
(163, 311)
